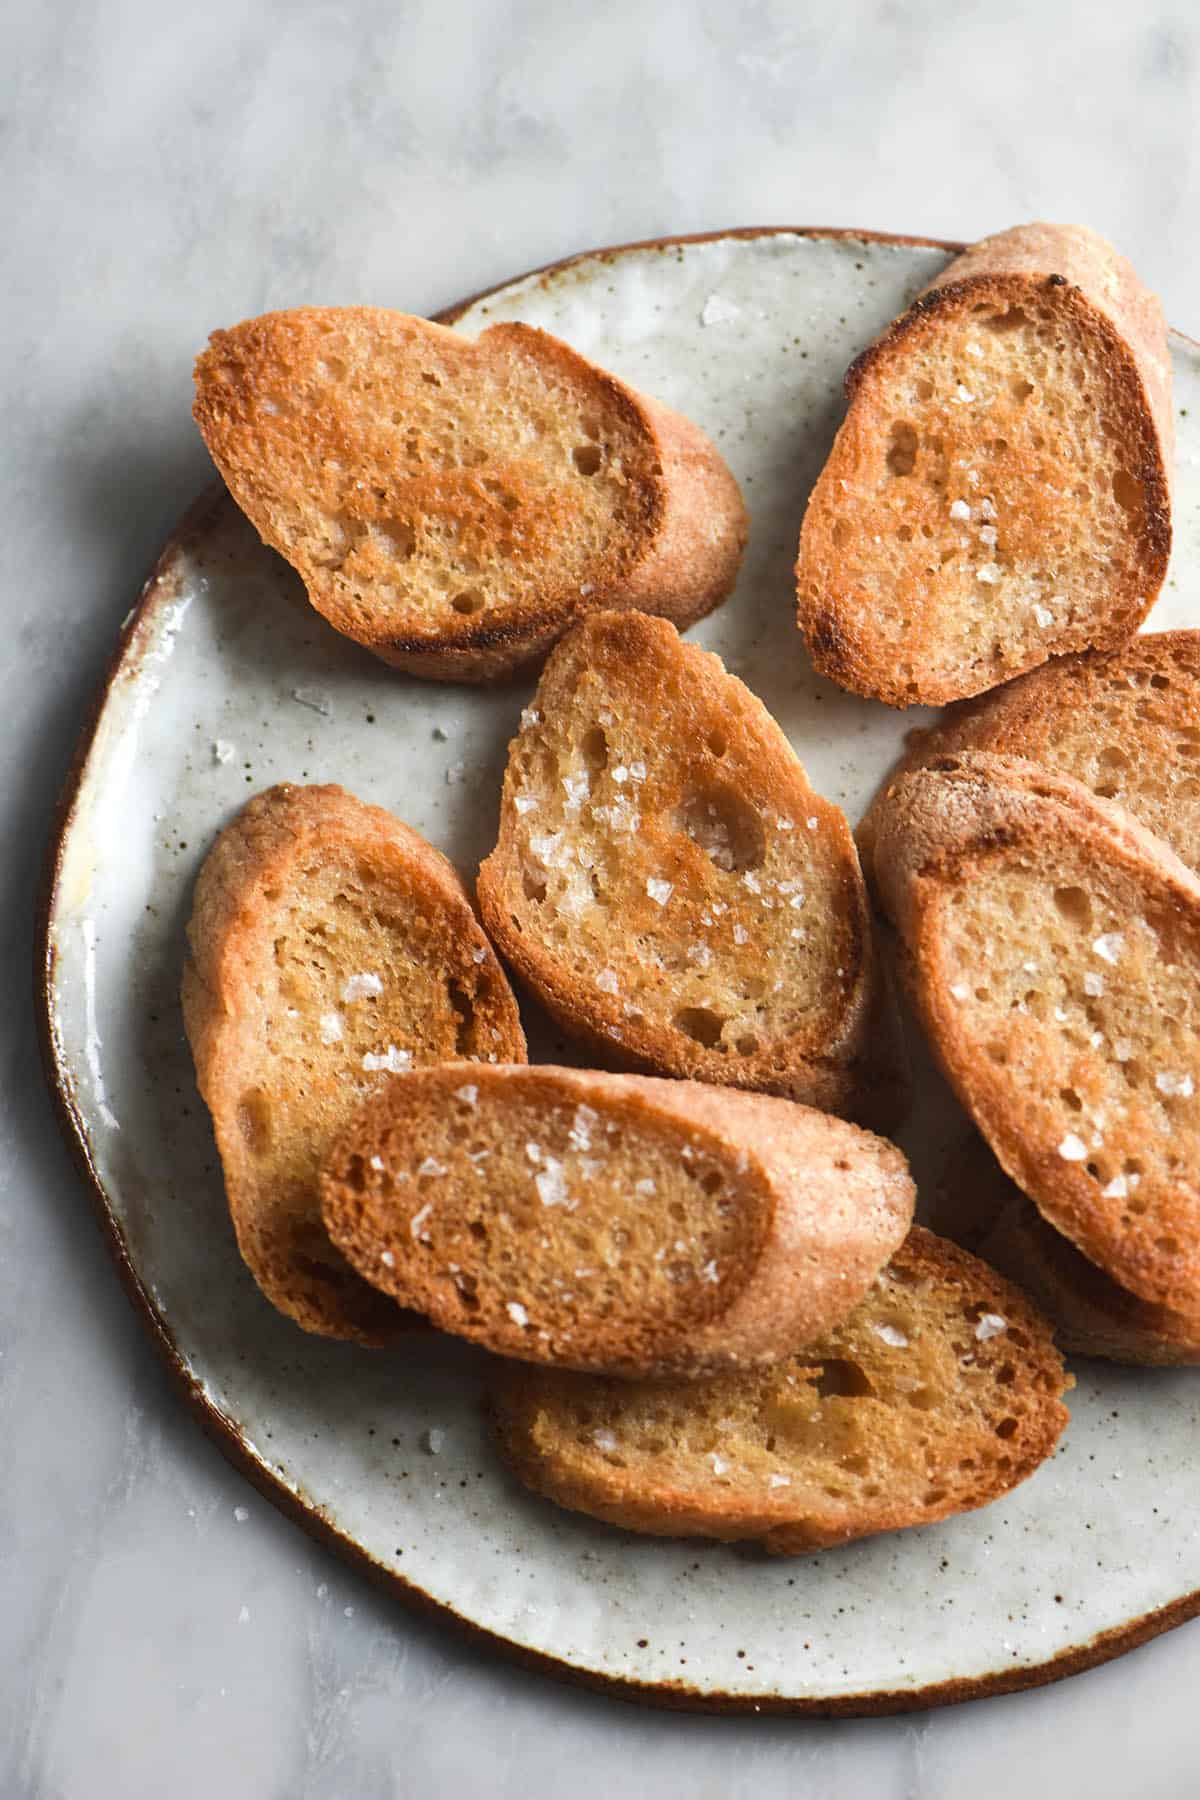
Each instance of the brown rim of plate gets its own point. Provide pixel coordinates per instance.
(675, 1695)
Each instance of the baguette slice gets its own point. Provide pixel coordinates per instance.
(671, 888)
(939, 1393)
(999, 491)
(1126, 724)
(1052, 945)
(330, 945)
(612, 1222)
(451, 504)
(1091, 1315)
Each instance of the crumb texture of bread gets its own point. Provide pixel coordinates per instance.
(999, 490)
(330, 946)
(672, 889)
(615, 1223)
(1052, 946)
(939, 1393)
(1126, 724)
(452, 504)
(1090, 1313)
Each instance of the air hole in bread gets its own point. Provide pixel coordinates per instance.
(470, 600)
(594, 748)
(430, 379)
(717, 743)
(747, 1045)
(839, 1378)
(356, 1175)
(1006, 1428)
(841, 534)
(1010, 320)
(587, 458)
(534, 889)
(254, 1121)
(332, 368)
(1127, 490)
(700, 1023)
(396, 538)
(1070, 1098)
(1021, 389)
(1074, 903)
(902, 449)
(725, 826)
(922, 389)
(464, 1009)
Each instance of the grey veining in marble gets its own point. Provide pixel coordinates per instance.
(165, 170)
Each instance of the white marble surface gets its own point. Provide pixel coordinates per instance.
(164, 1631)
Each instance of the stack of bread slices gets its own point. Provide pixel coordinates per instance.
(695, 1262)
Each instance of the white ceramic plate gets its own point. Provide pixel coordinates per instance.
(224, 681)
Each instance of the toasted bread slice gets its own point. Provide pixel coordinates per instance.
(674, 892)
(999, 491)
(451, 504)
(1091, 1314)
(1126, 724)
(330, 946)
(939, 1393)
(1053, 949)
(612, 1222)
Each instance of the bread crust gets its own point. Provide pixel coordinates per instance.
(254, 866)
(851, 1059)
(1097, 294)
(1150, 691)
(1090, 1313)
(942, 829)
(821, 1206)
(534, 1418)
(685, 524)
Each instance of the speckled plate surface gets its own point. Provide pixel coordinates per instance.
(225, 681)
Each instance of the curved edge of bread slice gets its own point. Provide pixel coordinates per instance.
(941, 1392)
(452, 504)
(1052, 948)
(661, 854)
(1091, 1314)
(940, 472)
(288, 1037)
(612, 1222)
